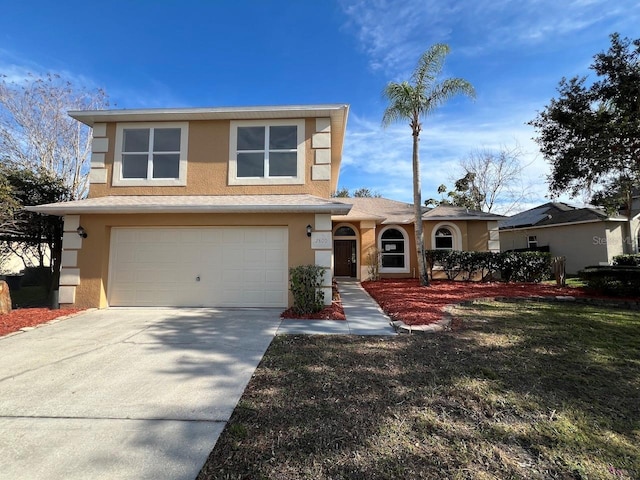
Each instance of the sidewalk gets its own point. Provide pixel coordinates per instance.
(364, 316)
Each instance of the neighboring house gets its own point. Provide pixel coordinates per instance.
(212, 206)
(584, 236)
(388, 227)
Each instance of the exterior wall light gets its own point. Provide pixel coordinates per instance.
(309, 230)
(81, 231)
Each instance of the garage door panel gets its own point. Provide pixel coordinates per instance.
(236, 266)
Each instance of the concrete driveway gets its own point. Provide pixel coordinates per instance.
(125, 393)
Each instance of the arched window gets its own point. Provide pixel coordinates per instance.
(394, 250)
(446, 236)
(444, 239)
(344, 231)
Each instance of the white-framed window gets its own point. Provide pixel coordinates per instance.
(266, 152)
(532, 241)
(151, 154)
(444, 239)
(446, 236)
(394, 250)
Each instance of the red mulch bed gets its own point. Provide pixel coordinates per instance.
(30, 317)
(406, 300)
(330, 312)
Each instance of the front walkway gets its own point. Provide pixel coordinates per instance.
(364, 316)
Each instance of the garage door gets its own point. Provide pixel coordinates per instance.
(211, 267)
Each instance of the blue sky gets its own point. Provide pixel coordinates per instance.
(149, 54)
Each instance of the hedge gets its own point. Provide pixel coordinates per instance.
(632, 260)
(616, 280)
(511, 266)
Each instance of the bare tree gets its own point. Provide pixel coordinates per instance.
(36, 132)
(496, 178)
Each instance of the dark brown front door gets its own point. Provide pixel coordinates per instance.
(344, 257)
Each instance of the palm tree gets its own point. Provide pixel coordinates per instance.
(413, 101)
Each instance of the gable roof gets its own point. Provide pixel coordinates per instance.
(386, 211)
(380, 210)
(556, 213)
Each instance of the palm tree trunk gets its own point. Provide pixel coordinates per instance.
(417, 211)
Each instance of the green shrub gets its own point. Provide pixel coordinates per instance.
(513, 266)
(433, 258)
(632, 260)
(306, 287)
(525, 266)
(616, 280)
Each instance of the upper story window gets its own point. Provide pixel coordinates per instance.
(444, 239)
(394, 250)
(266, 153)
(150, 154)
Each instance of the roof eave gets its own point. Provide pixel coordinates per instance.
(61, 210)
(338, 111)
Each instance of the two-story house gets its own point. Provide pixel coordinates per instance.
(212, 206)
(202, 206)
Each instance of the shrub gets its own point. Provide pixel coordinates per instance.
(373, 264)
(632, 260)
(513, 266)
(489, 264)
(306, 287)
(525, 266)
(616, 280)
(433, 258)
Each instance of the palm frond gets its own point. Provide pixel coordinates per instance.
(401, 97)
(430, 65)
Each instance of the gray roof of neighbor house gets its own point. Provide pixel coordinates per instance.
(386, 211)
(195, 204)
(556, 213)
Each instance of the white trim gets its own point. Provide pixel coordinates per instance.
(407, 256)
(97, 176)
(299, 179)
(99, 145)
(99, 130)
(321, 172)
(323, 124)
(67, 294)
(118, 181)
(455, 231)
(71, 223)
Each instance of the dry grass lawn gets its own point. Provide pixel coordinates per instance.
(522, 391)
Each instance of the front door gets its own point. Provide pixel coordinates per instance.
(344, 255)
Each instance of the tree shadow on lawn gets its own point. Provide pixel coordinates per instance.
(539, 394)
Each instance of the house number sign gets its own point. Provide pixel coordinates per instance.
(320, 240)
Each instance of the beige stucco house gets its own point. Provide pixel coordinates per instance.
(387, 226)
(212, 206)
(584, 236)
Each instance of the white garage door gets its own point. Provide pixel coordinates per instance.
(190, 267)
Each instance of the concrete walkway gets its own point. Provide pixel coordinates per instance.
(364, 316)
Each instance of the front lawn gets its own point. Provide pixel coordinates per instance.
(526, 390)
